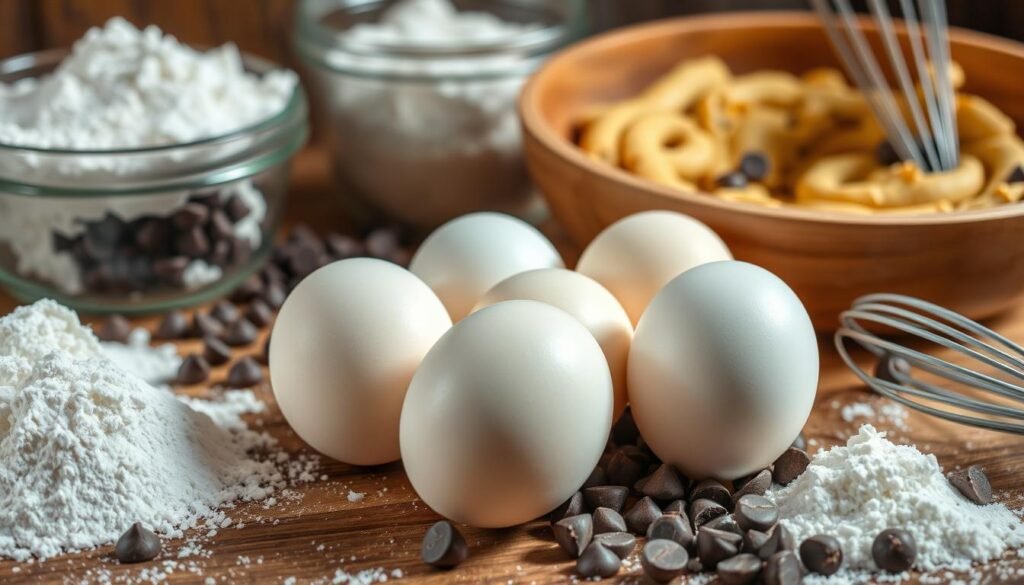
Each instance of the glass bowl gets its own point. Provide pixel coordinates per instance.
(423, 133)
(143, 229)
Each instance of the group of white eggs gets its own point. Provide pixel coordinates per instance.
(500, 417)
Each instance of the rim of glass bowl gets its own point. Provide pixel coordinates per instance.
(289, 127)
(314, 40)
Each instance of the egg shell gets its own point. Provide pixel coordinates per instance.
(586, 300)
(343, 350)
(636, 256)
(464, 258)
(723, 370)
(507, 415)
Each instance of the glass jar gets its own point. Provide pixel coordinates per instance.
(143, 229)
(422, 133)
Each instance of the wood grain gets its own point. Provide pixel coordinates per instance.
(312, 537)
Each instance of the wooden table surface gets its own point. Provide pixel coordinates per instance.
(317, 533)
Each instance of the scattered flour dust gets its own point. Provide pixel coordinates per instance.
(87, 448)
(155, 365)
(885, 412)
(855, 491)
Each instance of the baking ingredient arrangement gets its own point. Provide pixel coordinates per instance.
(642, 411)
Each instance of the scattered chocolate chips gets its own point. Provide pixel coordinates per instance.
(259, 314)
(726, 522)
(892, 368)
(639, 517)
(114, 328)
(274, 295)
(756, 513)
(571, 507)
(754, 541)
(138, 544)
(174, 325)
(171, 270)
(756, 484)
(676, 506)
(703, 511)
(821, 554)
(608, 520)
(972, 483)
(191, 215)
(206, 326)
(710, 489)
(626, 466)
(443, 546)
(674, 527)
(574, 533)
(245, 373)
(664, 484)
(782, 568)
(241, 332)
(732, 180)
(779, 539)
(250, 288)
(663, 560)
(714, 546)
(193, 370)
(894, 550)
(225, 312)
(342, 247)
(215, 351)
(194, 243)
(596, 478)
(598, 560)
(790, 465)
(741, 569)
(620, 543)
(754, 166)
(236, 208)
(606, 496)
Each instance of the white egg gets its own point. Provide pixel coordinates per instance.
(464, 258)
(583, 298)
(507, 415)
(636, 256)
(343, 350)
(723, 370)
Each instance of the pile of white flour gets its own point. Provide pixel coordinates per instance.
(853, 492)
(86, 449)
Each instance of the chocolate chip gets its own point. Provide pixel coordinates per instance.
(626, 466)
(726, 522)
(574, 533)
(245, 373)
(620, 543)
(114, 328)
(732, 180)
(274, 295)
(174, 325)
(756, 484)
(779, 539)
(225, 312)
(249, 289)
(220, 227)
(677, 506)
(206, 326)
(215, 351)
(703, 511)
(598, 561)
(664, 484)
(138, 544)
(220, 253)
(674, 527)
(596, 478)
(302, 233)
(171, 270)
(1016, 175)
(571, 507)
(382, 243)
(342, 247)
(892, 368)
(972, 483)
(152, 235)
(790, 465)
(821, 554)
(625, 431)
(191, 215)
(241, 332)
(782, 568)
(606, 496)
(443, 546)
(800, 442)
(741, 569)
(639, 517)
(259, 314)
(401, 257)
(608, 520)
(193, 370)
(754, 166)
(663, 560)
(303, 260)
(236, 208)
(710, 489)
(756, 513)
(754, 541)
(192, 243)
(714, 546)
(894, 550)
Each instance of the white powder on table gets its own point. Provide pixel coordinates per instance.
(155, 365)
(853, 492)
(885, 411)
(86, 448)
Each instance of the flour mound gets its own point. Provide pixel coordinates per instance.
(855, 492)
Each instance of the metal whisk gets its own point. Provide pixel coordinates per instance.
(967, 398)
(929, 137)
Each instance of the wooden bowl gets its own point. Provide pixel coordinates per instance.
(971, 262)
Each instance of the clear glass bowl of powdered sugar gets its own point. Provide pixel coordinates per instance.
(138, 174)
(417, 99)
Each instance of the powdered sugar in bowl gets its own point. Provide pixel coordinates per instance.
(138, 174)
(418, 99)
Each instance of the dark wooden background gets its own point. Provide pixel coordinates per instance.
(262, 26)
